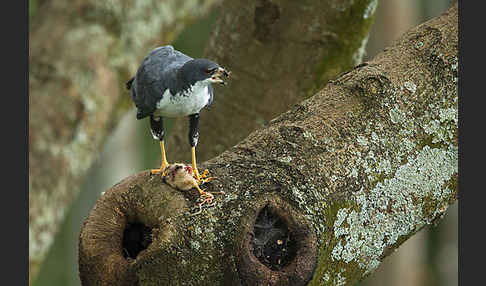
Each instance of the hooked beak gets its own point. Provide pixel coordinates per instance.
(220, 75)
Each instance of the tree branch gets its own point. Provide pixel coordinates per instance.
(340, 180)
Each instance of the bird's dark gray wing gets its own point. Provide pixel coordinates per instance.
(156, 74)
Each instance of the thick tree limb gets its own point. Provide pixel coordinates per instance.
(81, 53)
(351, 173)
(279, 52)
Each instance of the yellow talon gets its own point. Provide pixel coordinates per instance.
(201, 178)
(158, 171)
(164, 163)
(205, 173)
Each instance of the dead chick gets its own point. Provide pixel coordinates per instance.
(180, 176)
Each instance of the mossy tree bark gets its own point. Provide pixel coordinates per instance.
(279, 52)
(341, 179)
(81, 53)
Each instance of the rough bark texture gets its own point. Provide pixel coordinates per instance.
(81, 53)
(279, 52)
(351, 173)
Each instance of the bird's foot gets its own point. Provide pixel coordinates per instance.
(204, 177)
(162, 170)
(157, 171)
(205, 173)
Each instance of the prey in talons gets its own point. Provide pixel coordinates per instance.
(182, 177)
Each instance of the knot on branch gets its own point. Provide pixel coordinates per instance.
(122, 226)
(280, 248)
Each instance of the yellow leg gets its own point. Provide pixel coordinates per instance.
(162, 152)
(164, 163)
(200, 178)
(207, 198)
(194, 166)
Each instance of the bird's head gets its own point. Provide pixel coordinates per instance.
(204, 70)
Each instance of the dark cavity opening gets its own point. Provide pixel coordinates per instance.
(136, 237)
(273, 244)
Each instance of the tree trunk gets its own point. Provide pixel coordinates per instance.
(81, 53)
(319, 196)
(279, 52)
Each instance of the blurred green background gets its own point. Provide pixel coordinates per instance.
(429, 258)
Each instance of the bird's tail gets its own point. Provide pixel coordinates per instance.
(129, 83)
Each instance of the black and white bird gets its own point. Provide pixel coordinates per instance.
(169, 83)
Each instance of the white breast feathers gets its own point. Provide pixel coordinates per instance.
(188, 102)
